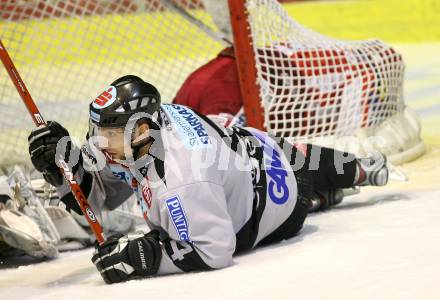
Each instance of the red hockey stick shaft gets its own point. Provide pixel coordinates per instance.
(38, 120)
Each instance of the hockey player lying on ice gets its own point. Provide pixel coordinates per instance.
(207, 192)
(213, 90)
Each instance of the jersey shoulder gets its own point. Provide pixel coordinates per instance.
(187, 126)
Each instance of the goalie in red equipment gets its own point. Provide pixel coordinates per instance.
(234, 189)
(323, 80)
(291, 80)
(214, 90)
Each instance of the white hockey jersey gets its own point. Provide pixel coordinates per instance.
(210, 191)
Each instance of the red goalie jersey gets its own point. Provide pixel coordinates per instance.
(308, 91)
(214, 88)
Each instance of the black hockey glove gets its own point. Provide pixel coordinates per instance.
(42, 148)
(132, 256)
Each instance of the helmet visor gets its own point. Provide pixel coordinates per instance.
(109, 139)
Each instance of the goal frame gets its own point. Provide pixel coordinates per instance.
(398, 136)
(246, 64)
(85, 60)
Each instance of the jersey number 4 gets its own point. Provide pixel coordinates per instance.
(180, 249)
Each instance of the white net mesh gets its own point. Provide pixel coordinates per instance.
(314, 86)
(68, 51)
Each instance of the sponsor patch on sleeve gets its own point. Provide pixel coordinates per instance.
(177, 215)
(189, 126)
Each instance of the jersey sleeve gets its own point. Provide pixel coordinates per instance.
(201, 235)
(102, 189)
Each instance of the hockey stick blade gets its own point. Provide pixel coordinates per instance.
(396, 174)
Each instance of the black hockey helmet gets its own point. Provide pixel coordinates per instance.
(123, 98)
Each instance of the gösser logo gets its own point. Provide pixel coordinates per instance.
(91, 214)
(106, 98)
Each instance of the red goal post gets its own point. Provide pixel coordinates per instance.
(246, 64)
(306, 87)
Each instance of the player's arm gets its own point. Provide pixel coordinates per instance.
(201, 234)
(200, 237)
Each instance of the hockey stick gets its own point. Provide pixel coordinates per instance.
(215, 35)
(39, 121)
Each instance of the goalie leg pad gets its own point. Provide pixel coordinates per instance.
(20, 232)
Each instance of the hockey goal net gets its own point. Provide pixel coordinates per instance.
(300, 85)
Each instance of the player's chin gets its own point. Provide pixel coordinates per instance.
(115, 155)
(118, 156)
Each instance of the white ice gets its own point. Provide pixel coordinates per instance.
(382, 245)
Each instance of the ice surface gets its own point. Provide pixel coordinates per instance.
(382, 245)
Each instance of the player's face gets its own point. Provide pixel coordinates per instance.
(115, 141)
